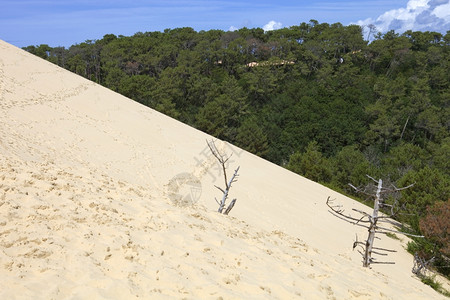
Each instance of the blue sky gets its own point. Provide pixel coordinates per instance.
(63, 23)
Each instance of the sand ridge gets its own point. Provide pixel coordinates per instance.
(88, 180)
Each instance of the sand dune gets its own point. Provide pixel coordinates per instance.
(103, 198)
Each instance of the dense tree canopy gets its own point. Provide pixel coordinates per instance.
(316, 98)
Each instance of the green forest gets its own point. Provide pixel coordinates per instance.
(317, 99)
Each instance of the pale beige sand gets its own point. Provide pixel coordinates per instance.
(90, 208)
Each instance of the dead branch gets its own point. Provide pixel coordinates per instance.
(379, 253)
(230, 207)
(421, 264)
(373, 179)
(403, 188)
(364, 214)
(341, 215)
(222, 158)
(384, 249)
(404, 127)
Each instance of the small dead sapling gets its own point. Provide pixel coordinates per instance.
(223, 159)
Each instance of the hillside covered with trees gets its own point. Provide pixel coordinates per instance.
(315, 98)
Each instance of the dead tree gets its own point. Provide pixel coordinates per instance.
(374, 222)
(421, 265)
(223, 159)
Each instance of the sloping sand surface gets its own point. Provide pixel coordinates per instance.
(103, 198)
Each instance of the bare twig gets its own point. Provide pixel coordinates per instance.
(220, 189)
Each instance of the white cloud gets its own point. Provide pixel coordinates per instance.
(418, 15)
(415, 4)
(232, 28)
(442, 11)
(272, 25)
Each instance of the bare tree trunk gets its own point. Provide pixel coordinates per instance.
(372, 227)
(225, 193)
